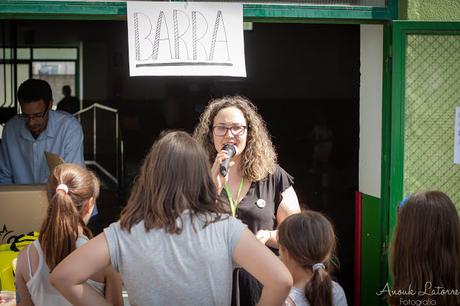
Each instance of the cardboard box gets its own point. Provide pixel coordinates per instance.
(22, 209)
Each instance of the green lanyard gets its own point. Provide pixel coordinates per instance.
(233, 204)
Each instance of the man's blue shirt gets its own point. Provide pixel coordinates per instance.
(22, 159)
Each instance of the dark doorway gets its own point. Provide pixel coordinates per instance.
(305, 81)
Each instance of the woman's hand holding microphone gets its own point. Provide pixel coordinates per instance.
(220, 177)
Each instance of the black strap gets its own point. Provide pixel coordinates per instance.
(16, 239)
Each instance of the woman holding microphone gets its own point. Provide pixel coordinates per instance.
(257, 190)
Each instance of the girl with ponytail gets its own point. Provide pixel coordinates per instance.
(72, 191)
(307, 244)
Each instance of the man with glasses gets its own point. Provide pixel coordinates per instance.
(37, 129)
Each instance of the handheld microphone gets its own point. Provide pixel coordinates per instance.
(231, 150)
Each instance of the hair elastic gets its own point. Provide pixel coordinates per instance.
(404, 201)
(62, 187)
(318, 266)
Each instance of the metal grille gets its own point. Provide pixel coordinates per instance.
(431, 95)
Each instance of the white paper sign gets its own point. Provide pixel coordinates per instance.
(185, 38)
(457, 136)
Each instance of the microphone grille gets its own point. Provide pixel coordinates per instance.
(229, 147)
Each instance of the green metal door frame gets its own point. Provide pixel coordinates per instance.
(386, 153)
(400, 31)
(108, 10)
(375, 210)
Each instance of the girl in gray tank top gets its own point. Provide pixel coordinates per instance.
(175, 243)
(307, 244)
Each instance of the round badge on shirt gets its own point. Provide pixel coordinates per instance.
(260, 203)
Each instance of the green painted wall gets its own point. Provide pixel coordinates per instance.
(430, 10)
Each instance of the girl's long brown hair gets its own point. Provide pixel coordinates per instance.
(259, 157)
(59, 231)
(426, 249)
(174, 177)
(309, 239)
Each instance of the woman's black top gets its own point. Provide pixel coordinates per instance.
(258, 211)
(258, 207)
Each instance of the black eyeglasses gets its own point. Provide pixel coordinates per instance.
(40, 115)
(220, 130)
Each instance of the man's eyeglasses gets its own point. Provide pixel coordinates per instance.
(40, 115)
(237, 130)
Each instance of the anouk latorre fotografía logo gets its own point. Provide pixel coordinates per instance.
(409, 296)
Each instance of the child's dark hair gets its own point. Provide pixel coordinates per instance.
(59, 231)
(310, 240)
(425, 250)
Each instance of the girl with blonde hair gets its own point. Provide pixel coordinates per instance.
(72, 191)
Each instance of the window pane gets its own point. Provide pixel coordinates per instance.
(5, 53)
(57, 74)
(22, 53)
(23, 73)
(55, 53)
(53, 68)
(6, 86)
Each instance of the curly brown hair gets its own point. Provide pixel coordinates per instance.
(259, 157)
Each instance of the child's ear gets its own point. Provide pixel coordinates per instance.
(88, 206)
(286, 253)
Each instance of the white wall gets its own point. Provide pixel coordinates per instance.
(370, 110)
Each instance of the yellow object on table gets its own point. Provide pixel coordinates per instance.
(8, 254)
